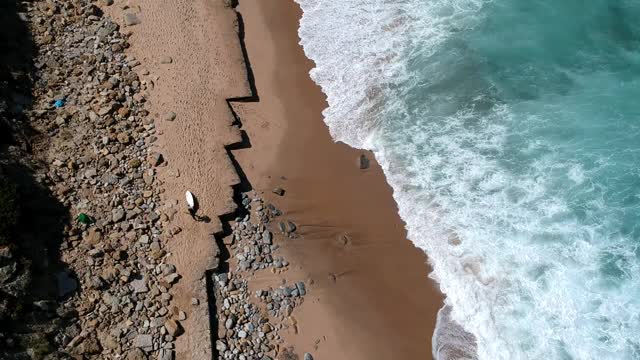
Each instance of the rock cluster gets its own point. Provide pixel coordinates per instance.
(96, 137)
(249, 323)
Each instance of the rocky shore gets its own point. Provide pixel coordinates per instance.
(250, 322)
(92, 139)
(83, 135)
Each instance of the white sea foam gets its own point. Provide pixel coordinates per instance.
(520, 271)
(450, 341)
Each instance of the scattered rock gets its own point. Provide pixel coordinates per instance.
(90, 102)
(169, 116)
(123, 138)
(139, 285)
(117, 215)
(166, 354)
(291, 227)
(144, 341)
(173, 328)
(131, 19)
(230, 322)
(136, 354)
(363, 162)
(155, 159)
(134, 163)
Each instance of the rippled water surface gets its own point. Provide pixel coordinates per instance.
(510, 132)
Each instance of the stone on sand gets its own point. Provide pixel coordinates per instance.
(169, 116)
(363, 162)
(131, 19)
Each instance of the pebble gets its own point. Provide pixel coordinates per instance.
(169, 116)
(173, 328)
(144, 341)
(155, 159)
(131, 19)
(363, 162)
(117, 215)
(166, 354)
(166, 60)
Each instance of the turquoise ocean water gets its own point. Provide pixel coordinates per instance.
(510, 132)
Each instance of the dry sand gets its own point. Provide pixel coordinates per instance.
(206, 68)
(381, 305)
(371, 297)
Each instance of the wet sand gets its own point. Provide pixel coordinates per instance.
(371, 297)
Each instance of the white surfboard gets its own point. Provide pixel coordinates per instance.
(190, 200)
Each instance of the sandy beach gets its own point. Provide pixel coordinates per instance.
(369, 296)
(381, 304)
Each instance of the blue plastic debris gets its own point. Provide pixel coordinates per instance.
(58, 103)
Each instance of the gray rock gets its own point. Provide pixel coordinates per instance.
(7, 271)
(109, 179)
(363, 162)
(131, 19)
(96, 283)
(221, 346)
(231, 321)
(308, 356)
(143, 341)
(117, 215)
(278, 191)
(45, 305)
(172, 278)
(156, 159)
(291, 227)
(173, 327)
(136, 354)
(267, 237)
(5, 255)
(165, 354)
(169, 116)
(139, 285)
(301, 288)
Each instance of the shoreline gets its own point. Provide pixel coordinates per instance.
(371, 286)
